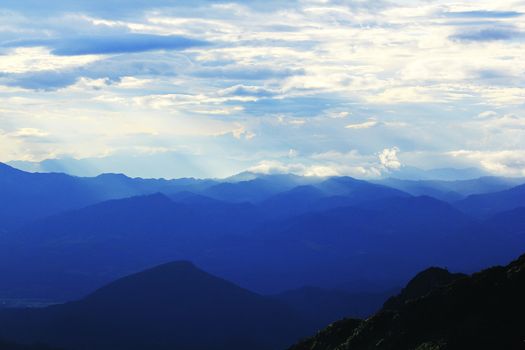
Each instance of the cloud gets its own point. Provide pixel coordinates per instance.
(28, 133)
(46, 80)
(248, 90)
(240, 132)
(498, 123)
(487, 115)
(488, 34)
(333, 163)
(307, 168)
(252, 72)
(111, 69)
(388, 158)
(502, 162)
(128, 8)
(373, 122)
(370, 123)
(284, 120)
(277, 167)
(483, 14)
(110, 44)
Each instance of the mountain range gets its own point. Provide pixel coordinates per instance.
(312, 249)
(70, 239)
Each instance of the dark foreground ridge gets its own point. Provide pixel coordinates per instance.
(482, 311)
(10, 346)
(172, 306)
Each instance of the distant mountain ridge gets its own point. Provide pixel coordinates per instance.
(452, 191)
(28, 196)
(488, 204)
(443, 174)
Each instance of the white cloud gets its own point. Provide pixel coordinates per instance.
(28, 132)
(277, 167)
(504, 162)
(487, 115)
(35, 59)
(292, 153)
(389, 160)
(370, 123)
(240, 132)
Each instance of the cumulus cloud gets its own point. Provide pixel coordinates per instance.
(334, 163)
(388, 158)
(317, 169)
(238, 133)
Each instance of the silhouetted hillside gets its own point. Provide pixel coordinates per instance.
(173, 306)
(324, 306)
(331, 337)
(421, 285)
(482, 311)
(11, 346)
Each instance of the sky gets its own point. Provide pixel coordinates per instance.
(314, 87)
